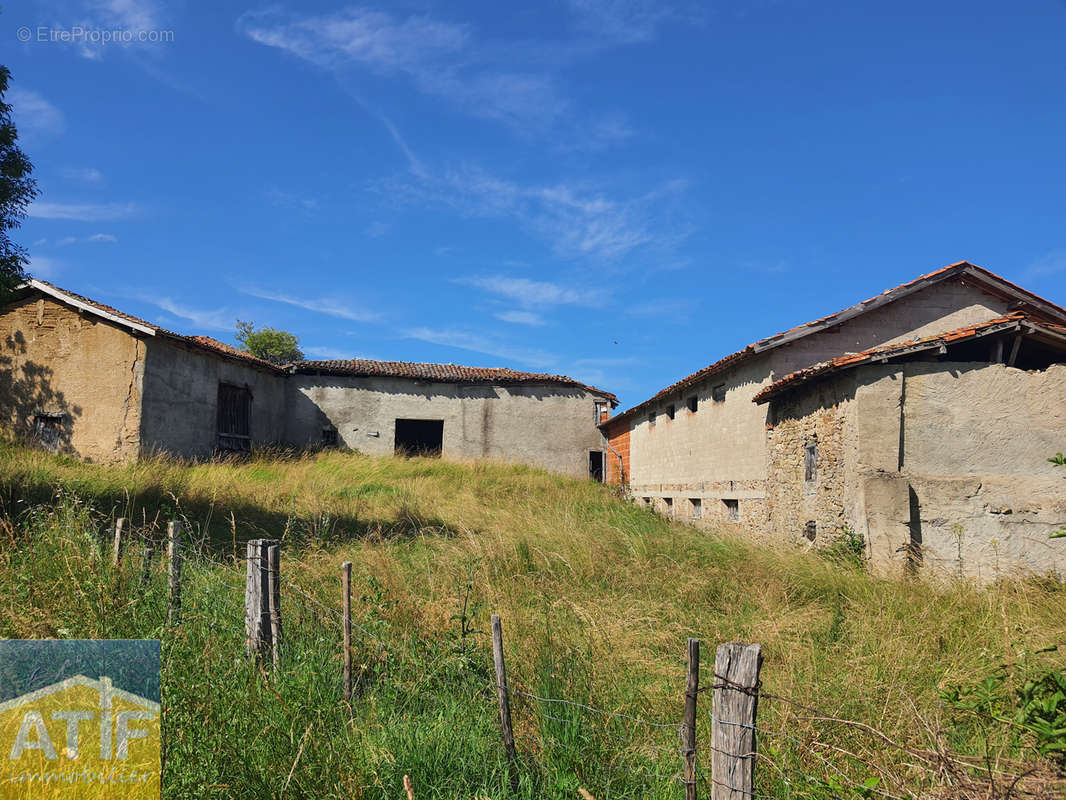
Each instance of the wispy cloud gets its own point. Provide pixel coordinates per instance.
(521, 318)
(289, 200)
(141, 18)
(478, 343)
(83, 212)
(1051, 264)
(219, 319)
(96, 238)
(620, 21)
(535, 293)
(328, 353)
(43, 267)
(575, 219)
(321, 306)
(82, 174)
(376, 230)
(35, 115)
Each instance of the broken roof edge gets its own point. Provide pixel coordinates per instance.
(1016, 320)
(990, 280)
(445, 373)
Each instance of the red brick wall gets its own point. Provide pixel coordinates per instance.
(618, 438)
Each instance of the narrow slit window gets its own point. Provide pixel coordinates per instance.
(668, 505)
(732, 508)
(810, 462)
(694, 404)
(697, 507)
(670, 411)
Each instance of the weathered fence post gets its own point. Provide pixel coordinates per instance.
(258, 600)
(504, 696)
(174, 571)
(274, 581)
(116, 550)
(692, 688)
(346, 597)
(736, 699)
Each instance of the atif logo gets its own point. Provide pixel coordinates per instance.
(79, 738)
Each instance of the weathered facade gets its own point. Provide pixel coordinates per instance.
(703, 451)
(89, 380)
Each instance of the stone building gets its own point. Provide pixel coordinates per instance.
(87, 379)
(920, 420)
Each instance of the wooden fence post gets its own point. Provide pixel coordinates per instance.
(736, 699)
(174, 571)
(274, 585)
(116, 551)
(257, 600)
(346, 597)
(692, 688)
(504, 696)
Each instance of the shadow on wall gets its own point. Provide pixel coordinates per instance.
(30, 409)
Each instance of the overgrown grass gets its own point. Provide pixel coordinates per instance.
(597, 597)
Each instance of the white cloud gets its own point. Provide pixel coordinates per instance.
(33, 114)
(219, 319)
(465, 340)
(103, 237)
(376, 229)
(441, 59)
(82, 174)
(535, 293)
(138, 17)
(628, 21)
(290, 200)
(322, 306)
(521, 317)
(66, 240)
(83, 212)
(328, 353)
(96, 238)
(577, 220)
(1051, 264)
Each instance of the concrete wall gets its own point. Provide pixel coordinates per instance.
(944, 466)
(180, 408)
(720, 451)
(86, 371)
(550, 426)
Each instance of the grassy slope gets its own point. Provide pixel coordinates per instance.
(597, 597)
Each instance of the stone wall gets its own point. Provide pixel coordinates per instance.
(180, 413)
(941, 467)
(550, 426)
(82, 377)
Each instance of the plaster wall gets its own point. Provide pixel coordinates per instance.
(180, 409)
(549, 426)
(85, 371)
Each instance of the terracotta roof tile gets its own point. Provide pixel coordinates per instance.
(229, 350)
(443, 373)
(958, 267)
(899, 348)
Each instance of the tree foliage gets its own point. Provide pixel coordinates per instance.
(269, 344)
(17, 191)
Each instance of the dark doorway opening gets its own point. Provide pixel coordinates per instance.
(234, 418)
(419, 437)
(596, 465)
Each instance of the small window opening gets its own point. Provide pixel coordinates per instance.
(670, 411)
(810, 462)
(651, 420)
(329, 437)
(718, 393)
(647, 501)
(694, 404)
(47, 430)
(668, 502)
(810, 530)
(732, 507)
(697, 507)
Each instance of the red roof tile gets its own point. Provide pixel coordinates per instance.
(441, 373)
(807, 328)
(849, 360)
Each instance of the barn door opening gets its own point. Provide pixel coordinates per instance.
(234, 419)
(419, 437)
(596, 465)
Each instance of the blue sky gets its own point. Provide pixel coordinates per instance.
(618, 190)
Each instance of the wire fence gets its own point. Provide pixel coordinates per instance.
(755, 743)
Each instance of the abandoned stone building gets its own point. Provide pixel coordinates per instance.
(921, 420)
(87, 379)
